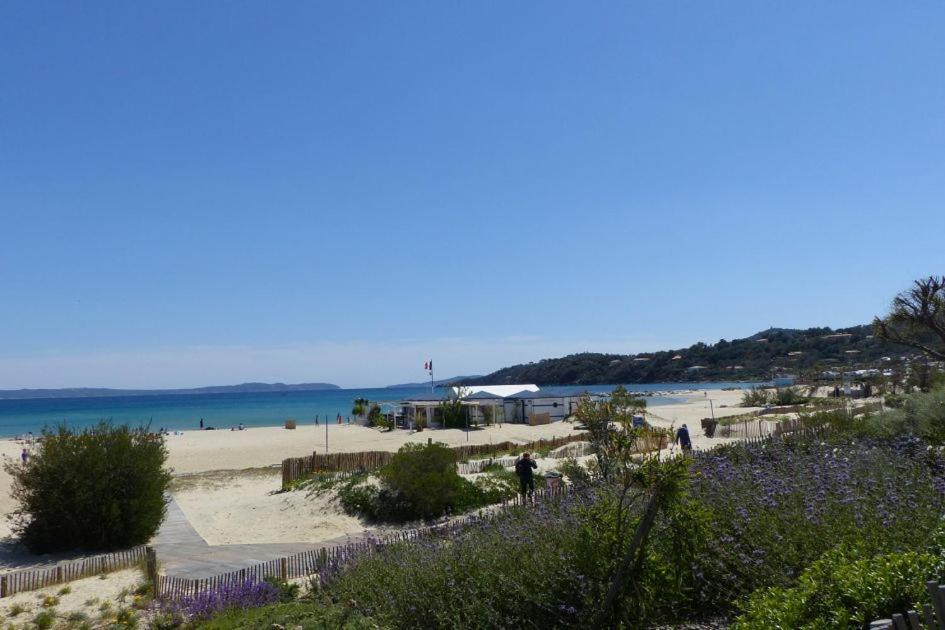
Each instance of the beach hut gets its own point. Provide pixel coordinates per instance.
(423, 406)
(555, 404)
(485, 408)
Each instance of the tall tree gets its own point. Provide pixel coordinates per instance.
(917, 318)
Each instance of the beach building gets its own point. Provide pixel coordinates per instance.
(497, 403)
(544, 405)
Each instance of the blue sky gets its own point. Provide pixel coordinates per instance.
(204, 193)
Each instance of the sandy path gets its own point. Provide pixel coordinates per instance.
(242, 508)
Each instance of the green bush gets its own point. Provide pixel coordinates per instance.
(421, 482)
(788, 396)
(288, 591)
(515, 571)
(574, 471)
(920, 414)
(756, 397)
(843, 589)
(45, 619)
(425, 476)
(360, 498)
(101, 488)
(894, 400)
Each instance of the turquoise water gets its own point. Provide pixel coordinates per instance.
(184, 411)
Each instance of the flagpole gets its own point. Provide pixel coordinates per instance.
(431, 378)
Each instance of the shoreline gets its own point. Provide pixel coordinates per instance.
(226, 482)
(183, 413)
(676, 396)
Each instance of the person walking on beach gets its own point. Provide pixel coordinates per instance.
(201, 423)
(25, 456)
(683, 439)
(523, 468)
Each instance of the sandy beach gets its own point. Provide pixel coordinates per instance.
(227, 482)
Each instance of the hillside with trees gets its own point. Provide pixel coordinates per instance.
(756, 357)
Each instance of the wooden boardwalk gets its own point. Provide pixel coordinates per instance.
(182, 552)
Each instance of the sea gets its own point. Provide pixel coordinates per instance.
(183, 412)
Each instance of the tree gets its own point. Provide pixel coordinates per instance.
(452, 411)
(101, 488)
(376, 418)
(610, 425)
(360, 407)
(917, 318)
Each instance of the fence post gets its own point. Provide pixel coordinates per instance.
(60, 578)
(284, 568)
(4, 586)
(151, 568)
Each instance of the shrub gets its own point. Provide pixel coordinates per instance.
(514, 570)
(788, 396)
(843, 589)
(894, 400)
(17, 609)
(374, 503)
(77, 617)
(920, 414)
(428, 495)
(288, 591)
(237, 596)
(756, 397)
(778, 506)
(425, 476)
(376, 418)
(100, 488)
(45, 619)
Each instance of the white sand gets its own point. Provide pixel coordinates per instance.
(231, 507)
(86, 596)
(198, 451)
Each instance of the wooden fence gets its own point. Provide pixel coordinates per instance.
(32, 579)
(295, 468)
(932, 617)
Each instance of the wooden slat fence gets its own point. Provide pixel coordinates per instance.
(295, 468)
(33, 579)
(477, 465)
(324, 563)
(931, 617)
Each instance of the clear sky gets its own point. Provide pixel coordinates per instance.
(197, 193)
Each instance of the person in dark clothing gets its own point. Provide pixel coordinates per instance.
(523, 468)
(201, 423)
(682, 438)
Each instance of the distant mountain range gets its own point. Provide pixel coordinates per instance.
(758, 357)
(439, 383)
(101, 392)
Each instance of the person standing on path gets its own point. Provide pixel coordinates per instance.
(201, 423)
(683, 439)
(523, 468)
(25, 456)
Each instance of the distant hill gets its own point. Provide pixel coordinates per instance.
(754, 358)
(439, 383)
(101, 392)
